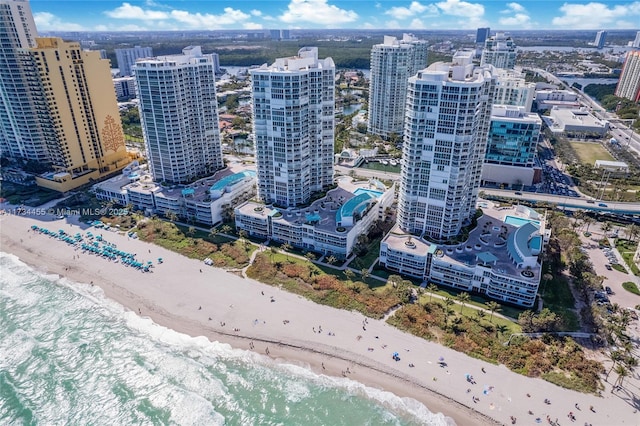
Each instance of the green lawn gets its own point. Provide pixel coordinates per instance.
(558, 298)
(631, 287)
(627, 249)
(477, 300)
(589, 152)
(361, 262)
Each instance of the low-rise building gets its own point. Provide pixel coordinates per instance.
(578, 121)
(330, 225)
(549, 98)
(501, 259)
(207, 201)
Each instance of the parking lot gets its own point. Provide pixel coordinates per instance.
(603, 257)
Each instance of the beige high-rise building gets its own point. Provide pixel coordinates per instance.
(629, 83)
(89, 141)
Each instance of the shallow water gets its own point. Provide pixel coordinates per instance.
(68, 355)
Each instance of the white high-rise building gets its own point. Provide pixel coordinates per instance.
(448, 115)
(23, 113)
(179, 115)
(629, 83)
(499, 51)
(127, 58)
(392, 63)
(293, 123)
(636, 41)
(512, 89)
(601, 38)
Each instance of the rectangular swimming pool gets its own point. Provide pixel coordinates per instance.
(518, 221)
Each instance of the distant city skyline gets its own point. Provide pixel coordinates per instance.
(149, 15)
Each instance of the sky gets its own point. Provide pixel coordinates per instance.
(184, 15)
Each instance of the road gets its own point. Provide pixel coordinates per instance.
(571, 203)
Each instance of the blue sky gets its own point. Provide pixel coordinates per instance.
(107, 15)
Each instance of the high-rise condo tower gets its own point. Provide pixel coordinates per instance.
(179, 115)
(293, 123)
(392, 63)
(445, 139)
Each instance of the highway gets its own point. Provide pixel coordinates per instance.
(564, 202)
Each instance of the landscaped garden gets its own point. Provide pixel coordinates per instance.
(627, 250)
(631, 287)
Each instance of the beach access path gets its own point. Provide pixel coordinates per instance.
(190, 297)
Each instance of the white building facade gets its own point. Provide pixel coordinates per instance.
(293, 123)
(448, 116)
(24, 120)
(392, 63)
(179, 115)
(499, 51)
(629, 83)
(126, 58)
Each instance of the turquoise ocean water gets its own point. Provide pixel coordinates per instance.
(69, 356)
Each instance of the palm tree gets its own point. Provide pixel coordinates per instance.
(213, 232)
(191, 231)
(226, 229)
(331, 260)
(172, 216)
(242, 234)
(632, 231)
(310, 256)
(431, 288)
(447, 302)
(349, 274)
(463, 298)
(622, 372)
(480, 314)
(272, 251)
(492, 307)
(588, 220)
(364, 273)
(606, 227)
(615, 357)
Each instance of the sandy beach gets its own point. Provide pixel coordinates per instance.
(190, 297)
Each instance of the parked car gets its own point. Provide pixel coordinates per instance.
(608, 290)
(608, 266)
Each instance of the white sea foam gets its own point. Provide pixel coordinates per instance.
(174, 368)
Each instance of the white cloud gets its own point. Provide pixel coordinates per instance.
(519, 16)
(317, 12)
(417, 24)
(256, 12)
(252, 26)
(461, 8)
(393, 24)
(596, 15)
(415, 8)
(198, 20)
(515, 7)
(46, 21)
(127, 11)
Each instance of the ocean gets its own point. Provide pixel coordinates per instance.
(69, 355)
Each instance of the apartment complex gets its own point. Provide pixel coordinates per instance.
(482, 34)
(179, 115)
(512, 144)
(293, 123)
(392, 63)
(499, 51)
(329, 226)
(87, 140)
(601, 37)
(501, 258)
(206, 201)
(126, 58)
(24, 125)
(629, 83)
(448, 115)
(512, 89)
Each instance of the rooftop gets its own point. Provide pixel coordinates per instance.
(324, 213)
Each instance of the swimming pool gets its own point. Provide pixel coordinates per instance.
(518, 221)
(371, 192)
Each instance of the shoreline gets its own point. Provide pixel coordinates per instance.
(172, 295)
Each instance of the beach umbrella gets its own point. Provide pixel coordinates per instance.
(441, 359)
